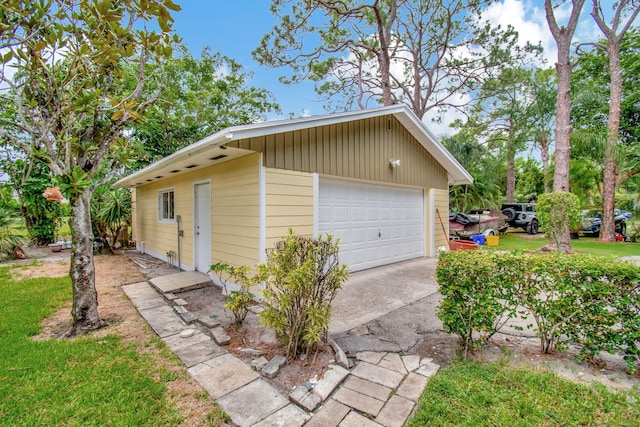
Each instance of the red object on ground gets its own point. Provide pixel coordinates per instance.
(619, 237)
(456, 245)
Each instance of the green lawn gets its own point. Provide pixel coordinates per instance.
(515, 239)
(81, 382)
(474, 394)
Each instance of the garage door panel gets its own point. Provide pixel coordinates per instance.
(377, 224)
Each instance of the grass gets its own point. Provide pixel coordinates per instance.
(488, 394)
(518, 240)
(81, 382)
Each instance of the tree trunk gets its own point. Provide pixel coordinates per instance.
(544, 156)
(607, 230)
(85, 298)
(511, 173)
(563, 124)
(563, 36)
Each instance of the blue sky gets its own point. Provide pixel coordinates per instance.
(235, 28)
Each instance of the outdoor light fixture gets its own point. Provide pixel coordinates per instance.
(394, 163)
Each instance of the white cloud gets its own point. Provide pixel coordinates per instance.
(528, 20)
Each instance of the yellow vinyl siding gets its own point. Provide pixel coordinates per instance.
(358, 150)
(441, 202)
(288, 204)
(235, 212)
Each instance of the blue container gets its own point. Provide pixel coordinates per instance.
(479, 239)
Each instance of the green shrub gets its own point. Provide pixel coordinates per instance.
(302, 276)
(473, 303)
(559, 213)
(593, 301)
(238, 301)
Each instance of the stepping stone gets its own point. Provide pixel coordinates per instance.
(395, 412)
(199, 352)
(290, 415)
(180, 301)
(302, 397)
(411, 362)
(253, 402)
(188, 318)
(369, 388)
(377, 374)
(251, 352)
(341, 356)
(148, 301)
(165, 324)
(372, 357)
(332, 379)
(394, 362)
(353, 419)
(358, 401)
(223, 374)
(169, 296)
(220, 336)
(181, 282)
(176, 342)
(428, 370)
(329, 415)
(259, 363)
(208, 322)
(412, 386)
(271, 369)
(180, 309)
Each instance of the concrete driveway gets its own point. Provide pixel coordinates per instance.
(387, 308)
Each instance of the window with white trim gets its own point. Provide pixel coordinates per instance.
(166, 205)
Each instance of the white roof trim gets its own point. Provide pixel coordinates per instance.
(457, 173)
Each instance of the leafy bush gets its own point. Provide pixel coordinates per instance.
(302, 276)
(559, 213)
(473, 303)
(593, 301)
(238, 301)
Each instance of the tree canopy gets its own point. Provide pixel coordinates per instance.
(200, 96)
(428, 54)
(66, 70)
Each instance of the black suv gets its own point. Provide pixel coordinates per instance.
(521, 215)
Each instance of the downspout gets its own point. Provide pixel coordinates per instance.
(180, 234)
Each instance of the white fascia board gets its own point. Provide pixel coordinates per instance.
(212, 141)
(457, 173)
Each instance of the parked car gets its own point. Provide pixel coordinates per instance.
(592, 221)
(522, 215)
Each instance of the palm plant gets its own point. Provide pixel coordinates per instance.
(10, 241)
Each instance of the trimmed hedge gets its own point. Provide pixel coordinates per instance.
(592, 301)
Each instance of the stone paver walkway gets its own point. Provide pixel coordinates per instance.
(381, 390)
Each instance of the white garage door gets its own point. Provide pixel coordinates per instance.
(376, 224)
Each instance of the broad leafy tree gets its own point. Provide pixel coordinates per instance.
(200, 96)
(427, 54)
(500, 119)
(65, 63)
(488, 173)
(541, 113)
(590, 111)
(530, 182)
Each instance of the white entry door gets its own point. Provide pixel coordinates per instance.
(202, 227)
(376, 224)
